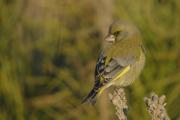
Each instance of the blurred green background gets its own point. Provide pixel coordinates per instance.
(48, 51)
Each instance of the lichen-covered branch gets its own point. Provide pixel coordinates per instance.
(156, 107)
(118, 98)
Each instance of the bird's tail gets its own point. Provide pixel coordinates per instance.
(91, 97)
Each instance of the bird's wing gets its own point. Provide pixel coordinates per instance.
(108, 69)
(111, 69)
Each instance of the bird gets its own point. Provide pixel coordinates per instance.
(121, 60)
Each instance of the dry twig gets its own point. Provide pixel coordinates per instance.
(119, 100)
(155, 106)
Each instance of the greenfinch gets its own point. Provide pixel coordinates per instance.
(121, 60)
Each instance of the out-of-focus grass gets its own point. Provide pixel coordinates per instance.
(48, 50)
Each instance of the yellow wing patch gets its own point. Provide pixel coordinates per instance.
(126, 69)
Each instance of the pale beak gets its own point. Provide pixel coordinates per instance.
(110, 38)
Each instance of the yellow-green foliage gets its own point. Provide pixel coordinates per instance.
(48, 51)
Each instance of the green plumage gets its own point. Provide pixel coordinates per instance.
(121, 60)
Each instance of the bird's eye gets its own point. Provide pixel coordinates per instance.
(117, 33)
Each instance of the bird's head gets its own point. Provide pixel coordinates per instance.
(120, 30)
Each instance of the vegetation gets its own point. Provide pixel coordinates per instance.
(48, 51)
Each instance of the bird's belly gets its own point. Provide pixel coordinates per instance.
(132, 74)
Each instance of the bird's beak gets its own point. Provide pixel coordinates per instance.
(110, 38)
